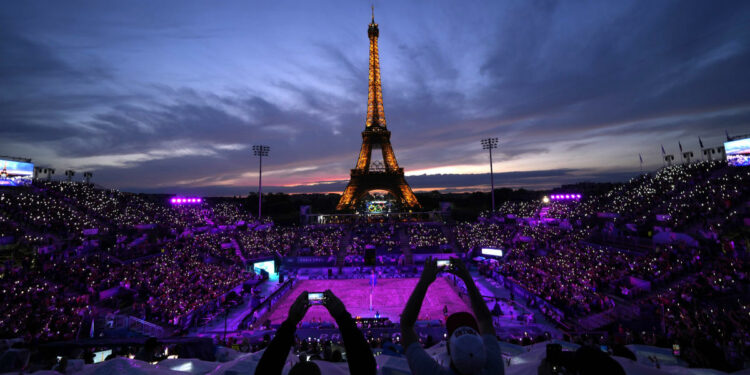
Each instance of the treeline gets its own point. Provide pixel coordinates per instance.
(284, 208)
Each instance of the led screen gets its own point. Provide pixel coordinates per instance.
(377, 207)
(492, 252)
(738, 152)
(15, 173)
(267, 265)
(101, 356)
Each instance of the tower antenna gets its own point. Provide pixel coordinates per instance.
(373, 13)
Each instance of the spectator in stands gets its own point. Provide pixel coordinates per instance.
(358, 354)
(472, 345)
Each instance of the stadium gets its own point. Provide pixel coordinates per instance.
(649, 275)
(98, 272)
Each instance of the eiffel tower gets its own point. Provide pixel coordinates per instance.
(371, 172)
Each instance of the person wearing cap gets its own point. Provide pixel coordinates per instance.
(472, 345)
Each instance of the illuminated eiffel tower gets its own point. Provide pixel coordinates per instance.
(372, 172)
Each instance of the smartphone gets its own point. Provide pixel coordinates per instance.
(316, 298)
(676, 350)
(444, 263)
(604, 348)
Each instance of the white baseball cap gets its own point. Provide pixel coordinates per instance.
(467, 351)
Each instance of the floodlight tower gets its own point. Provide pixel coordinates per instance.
(70, 173)
(87, 177)
(260, 151)
(489, 144)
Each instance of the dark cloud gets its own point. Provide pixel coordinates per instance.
(551, 79)
(584, 66)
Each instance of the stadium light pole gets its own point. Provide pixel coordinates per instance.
(260, 151)
(489, 144)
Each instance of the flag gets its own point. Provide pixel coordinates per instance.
(640, 157)
(700, 142)
(727, 133)
(662, 150)
(678, 142)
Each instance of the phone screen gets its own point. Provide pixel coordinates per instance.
(315, 298)
(443, 263)
(676, 350)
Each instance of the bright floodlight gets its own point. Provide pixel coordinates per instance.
(489, 143)
(261, 150)
(545, 199)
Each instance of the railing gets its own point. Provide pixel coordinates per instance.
(148, 329)
(139, 325)
(264, 307)
(553, 312)
(597, 320)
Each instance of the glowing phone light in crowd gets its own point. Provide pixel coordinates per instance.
(181, 200)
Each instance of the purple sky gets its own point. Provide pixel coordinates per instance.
(169, 96)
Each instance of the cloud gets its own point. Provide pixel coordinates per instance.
(539, 180)
(569, 87)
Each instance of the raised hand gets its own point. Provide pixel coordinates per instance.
(430, 271)
(299, 308)
(334, 305)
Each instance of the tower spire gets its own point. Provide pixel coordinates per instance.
(375, 112)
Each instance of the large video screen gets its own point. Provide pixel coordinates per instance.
(15, 173)
(492, 252)
(378, 207)
(268, 266)
(738, 152)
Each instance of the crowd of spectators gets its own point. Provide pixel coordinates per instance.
(320, 240)
(267, 240)
(380, 235)
(708, 313)
(177, 262)
(423, 235)
(36, 309)
(705, 196)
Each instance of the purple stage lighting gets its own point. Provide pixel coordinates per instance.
(561, 197)
(180, 200)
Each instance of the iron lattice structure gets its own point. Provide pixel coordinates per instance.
(369, 175)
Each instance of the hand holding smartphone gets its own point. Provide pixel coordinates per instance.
(444, 265)
(317, 298)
